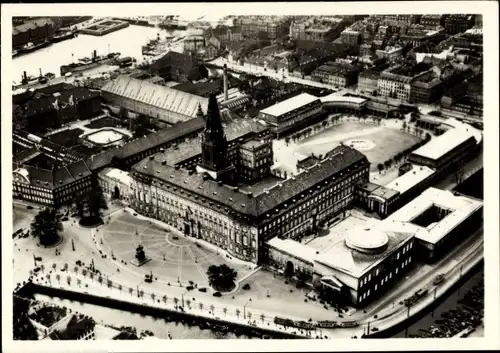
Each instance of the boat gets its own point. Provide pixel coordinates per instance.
(89, 63)
(60, 36)
(28, 48)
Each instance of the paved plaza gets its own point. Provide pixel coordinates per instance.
(173, 257)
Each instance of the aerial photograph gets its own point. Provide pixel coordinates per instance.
(247, 177)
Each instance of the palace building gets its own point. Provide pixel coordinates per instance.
(212, 201)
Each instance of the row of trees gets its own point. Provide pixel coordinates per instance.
(154, 297)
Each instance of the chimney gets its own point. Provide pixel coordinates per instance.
(40, 72)
(225, 83)
(25, 76)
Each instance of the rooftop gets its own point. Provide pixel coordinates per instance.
(290, 104)
(356, 263)
(384, 193)
(461, 207)
(195, 185)
(182, 103)
(408, 180)
(117, 174)
(440, 145)
(294, 248)
(334, 97)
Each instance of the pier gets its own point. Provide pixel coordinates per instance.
(104, 27)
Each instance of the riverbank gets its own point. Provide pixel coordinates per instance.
(168, 311)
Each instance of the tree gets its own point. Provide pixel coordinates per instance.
(386, 164)
(380, 167)
(91, 276)
(75, 269)
(153, 296)
(123, 114)
(262, 317)
(238, 313)
(176, 301)
(89, 205)
(140, 255)
(221, 277)
(188, 303)
(58, 278)
(224, 310)
(404, 125)
(68, 279)
(100, 280)
(130, 290)
(140, 126)
(120, 287)
(46, 225)
(200, 304)
(164, 298)
(110, 283)
(84, 272)
(79, 282)
(141, 293)
(54, 266)
(249, 315)
(42, 267)
(212, 308)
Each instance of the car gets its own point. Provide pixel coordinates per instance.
(38, 258)
(29, 207)
(203, 290)
(36, 269)
(135, 214)
(217, 294)
(64, 219)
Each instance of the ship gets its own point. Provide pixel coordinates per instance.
(60, 36)
(28, 48)
(90, 63)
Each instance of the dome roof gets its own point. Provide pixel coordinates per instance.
(367, 240)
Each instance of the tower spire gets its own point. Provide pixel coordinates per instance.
(213, 124)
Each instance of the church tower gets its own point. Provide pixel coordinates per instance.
(214, 159)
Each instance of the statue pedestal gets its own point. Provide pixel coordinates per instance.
(138, 263)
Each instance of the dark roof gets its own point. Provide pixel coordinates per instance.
(146, 143)
(199, 89)
(242, 128)
(52, 179)
(341, 158)
(175, 61)
(54, 98)
(40, 22)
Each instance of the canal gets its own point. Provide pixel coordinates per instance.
(118, 318)
(162, 329)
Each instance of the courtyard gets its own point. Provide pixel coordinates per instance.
(173, 257)
(377, 142)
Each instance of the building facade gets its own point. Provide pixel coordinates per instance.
(292, 113)
(204, 204)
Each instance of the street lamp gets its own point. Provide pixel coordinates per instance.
(182, 297)
(244, 309)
